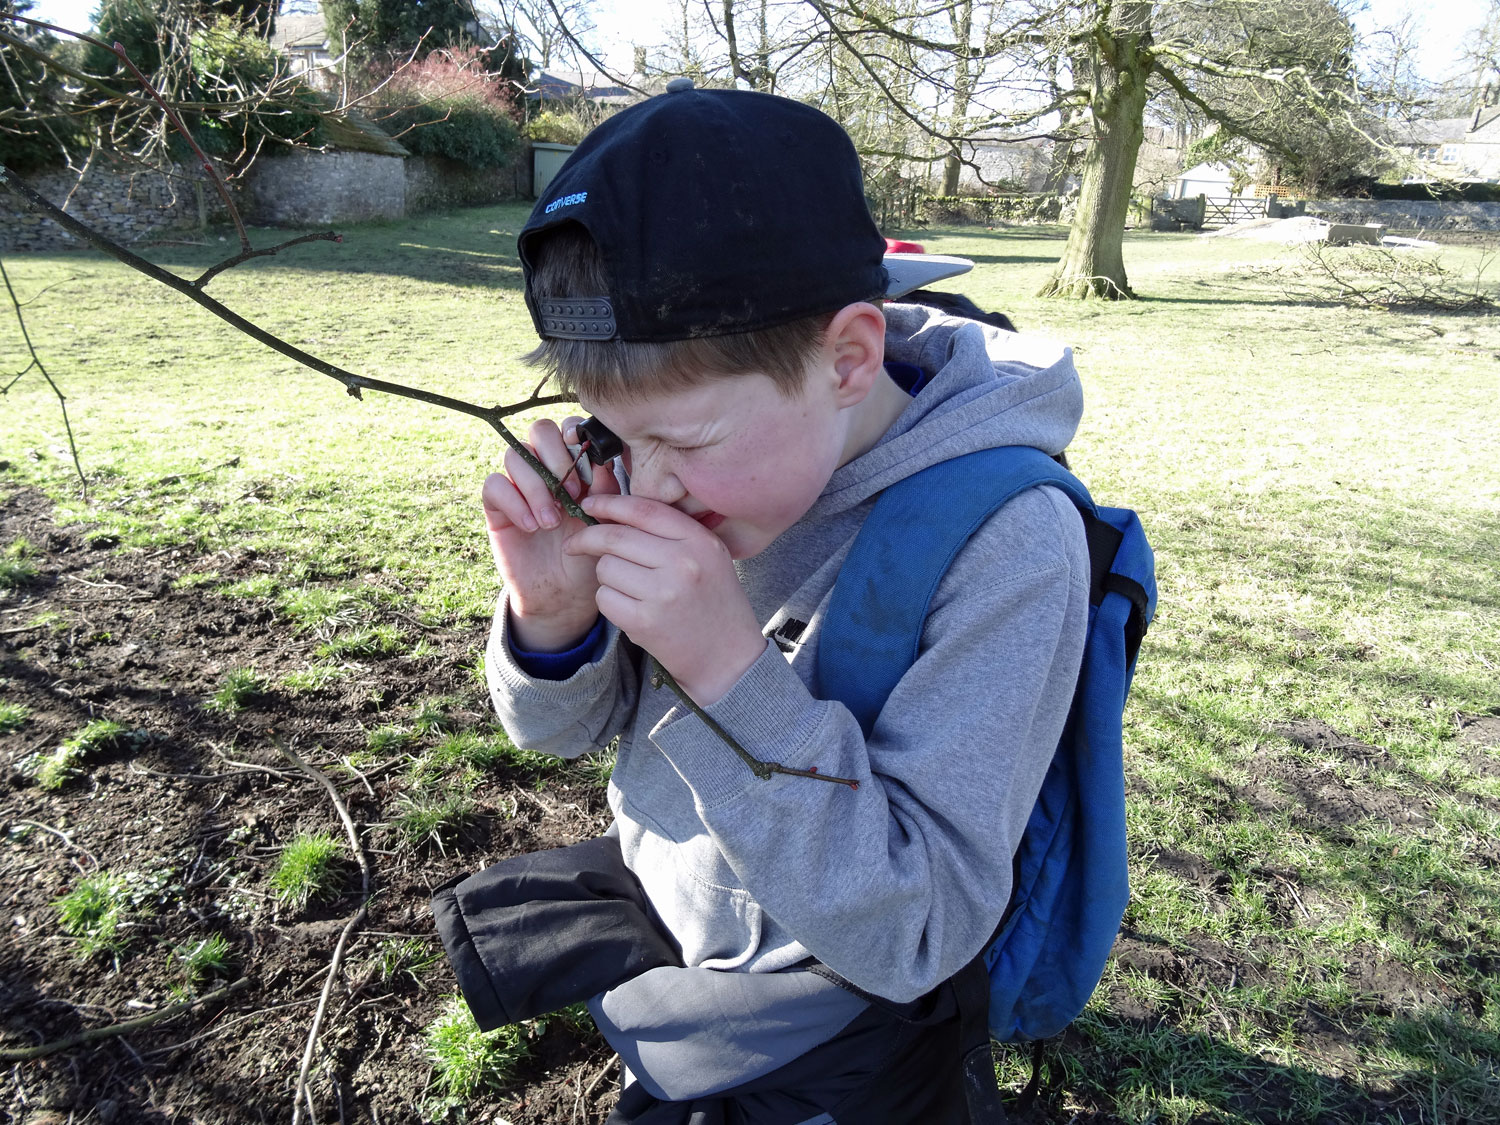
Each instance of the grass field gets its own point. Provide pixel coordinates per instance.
(1313, 746)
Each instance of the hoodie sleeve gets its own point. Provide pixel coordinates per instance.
(566, 717)
(898, 884)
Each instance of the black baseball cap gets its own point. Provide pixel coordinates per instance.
(717, 211)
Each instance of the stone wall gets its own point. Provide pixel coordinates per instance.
(126, 206)
(302, 188)
(1402, 214)
(298, 188)
(435, 183)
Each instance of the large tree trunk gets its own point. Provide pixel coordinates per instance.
(961, 17)
(1093, 262)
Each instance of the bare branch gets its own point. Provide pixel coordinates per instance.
(94, 1034)
(36, 362)
(366, 881)
(586, 53)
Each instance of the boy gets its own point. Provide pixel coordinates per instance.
(707, 280)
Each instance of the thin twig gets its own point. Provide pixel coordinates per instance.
(36, 361)
(213, 271)
(353, 924)
(219, 1029)
(208, 166)
(93, 1034)
(61, 835)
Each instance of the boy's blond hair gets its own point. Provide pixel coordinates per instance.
(568, 264)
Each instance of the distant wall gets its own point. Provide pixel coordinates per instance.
(302, 188)
(126, 206)
(295, 188)
(435, 183)
(1408, 214)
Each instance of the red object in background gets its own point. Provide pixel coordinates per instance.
(895, 246)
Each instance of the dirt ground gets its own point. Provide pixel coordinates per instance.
(197, 806)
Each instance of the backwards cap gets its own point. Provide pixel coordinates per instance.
(717, 211)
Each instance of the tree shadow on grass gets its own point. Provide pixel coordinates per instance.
(474, 248)
(1001, 260)
(1141, 1064)
(1403, 1012)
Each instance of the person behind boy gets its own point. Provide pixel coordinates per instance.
(707, 280)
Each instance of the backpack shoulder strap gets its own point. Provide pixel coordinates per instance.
(873, 627)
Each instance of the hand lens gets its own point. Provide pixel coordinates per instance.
(603, 445)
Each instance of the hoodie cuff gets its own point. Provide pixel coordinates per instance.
(560, 665)
(768, 711)
(509, 679)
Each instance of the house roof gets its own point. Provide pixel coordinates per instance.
(1216, 172)
(556, 84)
(299, 31)
(1482, 127)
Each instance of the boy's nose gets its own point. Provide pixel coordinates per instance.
(649, 480)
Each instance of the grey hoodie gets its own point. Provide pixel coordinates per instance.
(895, 886)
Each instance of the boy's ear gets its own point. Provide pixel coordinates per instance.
(855, 341)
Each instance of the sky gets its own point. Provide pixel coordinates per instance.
(621, 22)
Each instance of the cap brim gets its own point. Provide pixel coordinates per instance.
(905, 272)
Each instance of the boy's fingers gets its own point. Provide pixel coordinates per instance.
(532, 491)
(629, 578)
(650, 516)
(505, 507)
(547, 442)
(621, 540)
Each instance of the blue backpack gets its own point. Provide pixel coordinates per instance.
(1070, 888)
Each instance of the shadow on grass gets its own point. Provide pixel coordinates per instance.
(1138, 1067)
(475, 248)
(1005, 260)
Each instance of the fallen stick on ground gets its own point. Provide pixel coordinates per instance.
(93, 1034)
(349, 927)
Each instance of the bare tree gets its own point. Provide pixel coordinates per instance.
(1083, 72)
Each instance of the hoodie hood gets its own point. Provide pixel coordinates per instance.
(986, 388)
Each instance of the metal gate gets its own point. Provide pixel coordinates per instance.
(1222, 214)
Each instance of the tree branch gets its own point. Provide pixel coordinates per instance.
(356, 384)
(36, 362)
(94, 1034)
(349, 927)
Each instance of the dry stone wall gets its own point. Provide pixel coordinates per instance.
(297, 188)
(434, 183)
(302, 188)
(1409, 214)
(127, 206)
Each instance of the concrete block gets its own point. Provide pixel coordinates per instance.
(1349, 234)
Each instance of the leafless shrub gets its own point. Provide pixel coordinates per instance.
(1383, 277)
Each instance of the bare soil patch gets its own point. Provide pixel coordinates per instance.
(197, 807)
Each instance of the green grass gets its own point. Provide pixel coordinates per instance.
(93, 911)
(238, 689)
(307, 869)
(432, 816)
(53, 770)
(366, 641)
(466, 1060)
(201, 959)
(316, 677)
(16, 566)
(13, 716)
(384, 741)
(411, 957)
(1322, 487)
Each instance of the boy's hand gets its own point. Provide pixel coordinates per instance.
(670, 585)
(551, 591)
